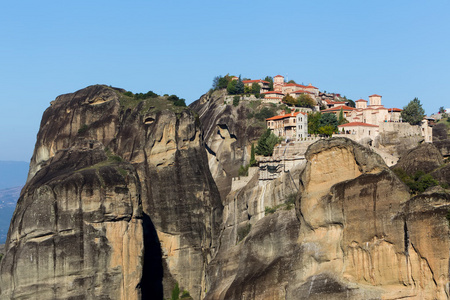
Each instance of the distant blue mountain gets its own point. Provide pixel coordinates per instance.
(8, 200)
(13, 173)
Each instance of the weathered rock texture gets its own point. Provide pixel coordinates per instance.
(113, 220)
(228, 134)
(355, 235)
(77, 230)
(351, 230)
(440, 139)
(440, 132)
(397, 138)
(120, 203)
(426, 157)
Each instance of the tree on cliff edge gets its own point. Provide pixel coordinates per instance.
(266, 143)
(413, 113)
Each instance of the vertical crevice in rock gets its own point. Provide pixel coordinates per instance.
(152, 274)
(406, 232)
(374, 195)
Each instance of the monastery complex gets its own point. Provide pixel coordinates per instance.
(365, 121)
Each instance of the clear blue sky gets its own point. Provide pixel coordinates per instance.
(398, 49)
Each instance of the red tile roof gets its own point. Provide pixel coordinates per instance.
(394, 109)
(354, 124)
(278, 76)
(295, 84)
(273, 92)
(254, 80)
(375, 95)
(311, 87)
(301, 92)
(361, 100)
(289, 115)
(337, 108)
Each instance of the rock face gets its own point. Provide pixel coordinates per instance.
(228, 133)
(440, 139)
(426, 157)
(398, 138)
(120, 203)
(352, 230)
(354, 235)
(440, 132)
(77, 231)
(130, 181)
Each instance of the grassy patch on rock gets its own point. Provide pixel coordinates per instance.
(288, 204)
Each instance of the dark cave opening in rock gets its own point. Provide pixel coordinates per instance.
(152, 274)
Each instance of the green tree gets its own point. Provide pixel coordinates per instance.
(291, 81)
(239, 86)
(351, 103)
(342, 119)
(288, 99)
(413, 113)
(441, 110)
(177, 101)
(314, 122)
(231, 87)
(256, 88)
(223, 82)
(328, 119)
(327, 130)
(176, 292)
(305, 100)
(253, 161)
(264, 113)
(266, 142)
(236, 100)
(269, 79)
(216, 81)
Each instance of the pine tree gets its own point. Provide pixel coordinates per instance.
(239, 86)
(253, 161)
(413, 113)
(341, 119)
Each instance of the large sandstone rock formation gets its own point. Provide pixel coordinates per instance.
(397, 138)
(425, 157)
(228, 134)
(120, 203)
(440, 138)
(77, 231)
(86, 225)
(355, 235)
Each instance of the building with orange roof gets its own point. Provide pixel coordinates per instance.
(262, 83)
(347, 110)
(373, 112)
(291, 126)
(288, 88)
(273, 95)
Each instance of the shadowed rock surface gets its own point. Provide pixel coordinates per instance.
(440, 139)
(439, 132)
(228, 133)
(173, 194)
(77, 230)
(425, 157)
